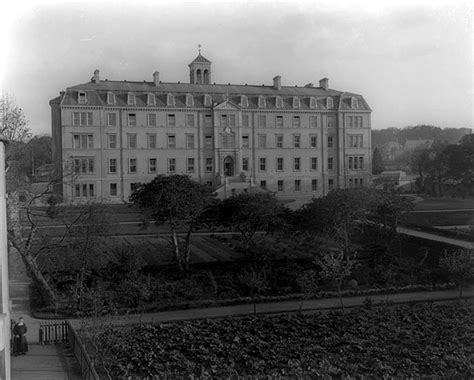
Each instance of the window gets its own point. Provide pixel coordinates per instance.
(81, 97)
(111, 119)
(329, 103)
(189, 100)
(330, 184)
(245, 164)
(132, 165)
(209, 165)
(279, 164)
(132, 119)
(263, 184)
(313, 141)
(208, 121)
(354, 103)
(312, 103)
(171, 165)
(112, 165)
(171, 121)
(296, 141)
(245, 141)
(82, 118)
(244, 101)
(330, 142)
(152, 119)
(151, 141)
(297, 185)
(209, 183)
(224, 120)
(131, 140)
(112, 141)
(356, 141)
(356, 162)
(262, 141)
(190, 166)
(313, 122)
(296, 122)
(207, 100)
(232, 120)
(130, 99)
(84, 190)
(134, 187)
(279, 122)
(314, 184)
(189, 141)
(113, 189)
(170, 100)
(150, 100)
(280, 185)
(261, 102)
(330, 163)
(330, 122)
(228, 140)
(152, 165)
(297, 164)
(190, 120)
(263, 164)
(83, 141)
(208, 141)
(245, 120)
(278, 102)
(171, 141)
(84, 165)
(262, 121)
(296, 102)
(110, 98)
(314, 163)
(279, 141)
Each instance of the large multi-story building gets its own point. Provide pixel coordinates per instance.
(293, 141)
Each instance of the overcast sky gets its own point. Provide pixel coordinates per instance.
(412, 61)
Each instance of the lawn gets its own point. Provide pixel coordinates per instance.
(401, 341)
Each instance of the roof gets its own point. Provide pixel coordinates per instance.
(412, 144)
(200, 59)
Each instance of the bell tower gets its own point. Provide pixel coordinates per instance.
(200, 70)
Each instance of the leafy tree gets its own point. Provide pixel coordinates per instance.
(377, 162)
(178, 201)
(14, 125)
(459, 265)
(256, 282)
(249, 213)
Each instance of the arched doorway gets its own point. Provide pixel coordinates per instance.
(228, 166)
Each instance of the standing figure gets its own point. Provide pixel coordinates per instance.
(20, 345)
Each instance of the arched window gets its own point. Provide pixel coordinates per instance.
(170, 100)
(151, 100)
(206, 77)
(278, 102)
(198, 76)
(131, 99)
(207, 100)
(189, 100)
(329, 103)
(354, 103)
(110, 98)
(261, 102)
(296, 102)
(244, 101)
(312, 102)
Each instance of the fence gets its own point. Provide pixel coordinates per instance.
(53, 332)
(79, 351)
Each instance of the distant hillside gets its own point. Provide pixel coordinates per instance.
(423, 132)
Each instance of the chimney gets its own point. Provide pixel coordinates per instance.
(96, 77)
(156, 78)
(277, 82)
(324, 83)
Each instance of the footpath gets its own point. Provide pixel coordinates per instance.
(48, 362)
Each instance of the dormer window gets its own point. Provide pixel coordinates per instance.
(81, 97)
(278, 102)
(110, 98)
(312, 103)
(170, 100)
(207, 100)
(131, 99)
(354, 103)
(261, 102)
(244, 101)
(296, 102)
(329, 103)
(150, 100)
(189, 100)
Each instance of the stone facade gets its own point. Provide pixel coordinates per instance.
(109, 136)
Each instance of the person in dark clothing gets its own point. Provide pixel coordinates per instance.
(20, 345)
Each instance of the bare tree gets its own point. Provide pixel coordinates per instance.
(14, 125)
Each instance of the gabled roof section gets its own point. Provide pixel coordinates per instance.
(227, 105)
(200, 59)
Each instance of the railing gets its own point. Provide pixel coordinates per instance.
(53, 332)
(87, 366)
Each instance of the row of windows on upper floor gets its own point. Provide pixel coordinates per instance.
(86, 141)
(226, 120)
(86, 165)
(279, 101)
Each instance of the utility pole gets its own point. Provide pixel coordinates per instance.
(4, 294)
